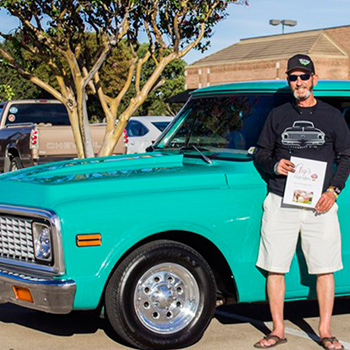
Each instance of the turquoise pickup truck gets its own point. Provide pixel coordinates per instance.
(156, 241)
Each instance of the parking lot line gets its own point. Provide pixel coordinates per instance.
(288, 330)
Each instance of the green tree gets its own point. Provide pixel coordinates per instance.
(113, 75)
(54, 32)
(172, 83)
(13, 82)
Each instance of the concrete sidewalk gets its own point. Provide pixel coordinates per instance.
(234, 327)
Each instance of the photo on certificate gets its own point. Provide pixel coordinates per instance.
(301, 196)
(304, 187)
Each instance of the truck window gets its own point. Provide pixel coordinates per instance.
(230, 123)
(53, 113)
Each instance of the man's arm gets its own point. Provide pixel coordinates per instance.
(341, 139)
(343, 169)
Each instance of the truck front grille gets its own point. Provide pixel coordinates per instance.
(16, 239)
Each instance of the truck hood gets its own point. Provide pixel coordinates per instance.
(46, 185)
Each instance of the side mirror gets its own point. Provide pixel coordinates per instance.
(150, 149)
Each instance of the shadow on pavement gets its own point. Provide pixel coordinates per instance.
(77, 322)
(87, 322)
(296, 312)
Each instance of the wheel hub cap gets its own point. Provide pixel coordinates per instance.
(166, 298)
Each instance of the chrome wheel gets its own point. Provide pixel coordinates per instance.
(166, 298)
(161, 296)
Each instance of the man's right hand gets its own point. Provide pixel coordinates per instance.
(284, 166)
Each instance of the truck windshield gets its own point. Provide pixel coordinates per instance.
(222, 124)
(36, 113)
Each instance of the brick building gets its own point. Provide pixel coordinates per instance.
(266, 57)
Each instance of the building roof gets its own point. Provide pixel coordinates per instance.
(314, 43)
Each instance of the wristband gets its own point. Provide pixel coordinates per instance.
(334, 193)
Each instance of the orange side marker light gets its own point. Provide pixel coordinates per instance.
(23, 294)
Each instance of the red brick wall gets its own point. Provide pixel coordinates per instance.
(326, 68)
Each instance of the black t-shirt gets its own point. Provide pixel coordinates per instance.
(318, 133)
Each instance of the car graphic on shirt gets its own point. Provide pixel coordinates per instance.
(304, 134)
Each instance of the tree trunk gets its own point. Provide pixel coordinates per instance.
(110, 139)
(84, 124)
(73, 117)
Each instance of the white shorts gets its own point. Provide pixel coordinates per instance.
(281, 225)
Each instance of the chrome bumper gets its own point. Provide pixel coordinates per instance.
(50, 295)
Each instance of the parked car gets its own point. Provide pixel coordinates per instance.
(142, 132)
(156, 240)
(36, 132)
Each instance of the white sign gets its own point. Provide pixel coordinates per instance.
(304, 187)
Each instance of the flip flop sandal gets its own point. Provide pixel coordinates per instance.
(331, 340)
(277, 339)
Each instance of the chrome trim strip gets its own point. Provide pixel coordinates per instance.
(58, 268)
(49, 295)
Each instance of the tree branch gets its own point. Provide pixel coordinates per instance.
(97, 65)
(117, 100)
(140, 63)
(30, 76)
(151, 43)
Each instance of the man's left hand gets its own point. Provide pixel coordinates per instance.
(325, 202)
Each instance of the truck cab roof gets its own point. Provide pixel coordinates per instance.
(323, 87)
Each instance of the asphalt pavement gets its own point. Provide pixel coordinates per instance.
(234, 327)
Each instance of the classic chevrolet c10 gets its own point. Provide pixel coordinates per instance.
(156, 240)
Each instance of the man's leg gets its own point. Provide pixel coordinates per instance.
(275, 291)
(325, 296)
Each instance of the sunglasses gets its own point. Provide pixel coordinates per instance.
(294, 77)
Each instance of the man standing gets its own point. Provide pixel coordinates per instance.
(281, 224)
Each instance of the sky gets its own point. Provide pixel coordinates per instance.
(253, 20)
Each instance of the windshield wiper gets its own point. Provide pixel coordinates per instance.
(204, 157)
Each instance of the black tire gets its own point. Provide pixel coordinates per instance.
(179, 279)
(15, 164)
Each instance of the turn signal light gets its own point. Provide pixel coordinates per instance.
(85, 240)
(23, 294)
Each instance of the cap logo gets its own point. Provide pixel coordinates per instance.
(304, 62)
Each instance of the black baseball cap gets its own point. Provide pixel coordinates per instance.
(299, 61)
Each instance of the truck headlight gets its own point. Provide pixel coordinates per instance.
(42, 241)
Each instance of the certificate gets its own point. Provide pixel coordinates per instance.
(304, 187)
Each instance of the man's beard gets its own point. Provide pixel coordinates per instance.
(303, 98)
